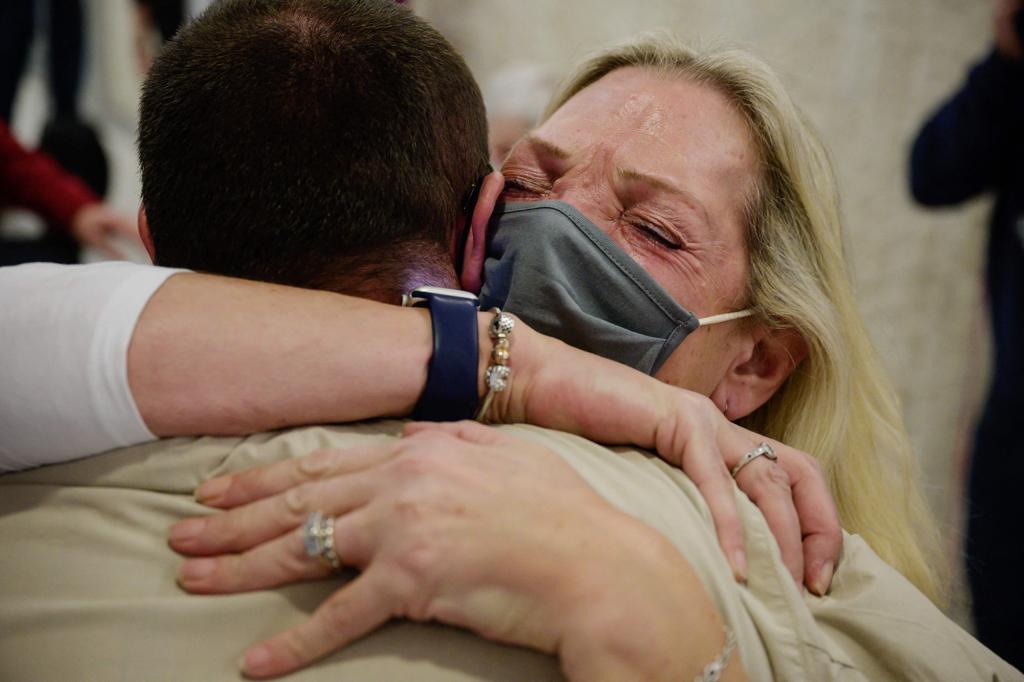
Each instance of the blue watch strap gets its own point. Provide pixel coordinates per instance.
(451, 392)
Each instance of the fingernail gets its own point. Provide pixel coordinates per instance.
(254, 659)
(197, 569)
(186, 530)
(823, 579)
(212, 490)
(739, 565)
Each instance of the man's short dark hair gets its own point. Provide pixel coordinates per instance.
(291, 140)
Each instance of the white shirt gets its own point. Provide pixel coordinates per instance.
(64, 335)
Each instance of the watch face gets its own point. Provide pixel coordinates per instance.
(422, 294)
(441, 291)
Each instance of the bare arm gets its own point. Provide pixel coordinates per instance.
(255, 356)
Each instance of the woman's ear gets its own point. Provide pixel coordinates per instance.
(471, 276)
(758, 372)
(145, 235)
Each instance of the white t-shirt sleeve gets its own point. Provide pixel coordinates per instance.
(64, 335)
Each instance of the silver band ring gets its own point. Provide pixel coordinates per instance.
(318, 538)
(762, 450)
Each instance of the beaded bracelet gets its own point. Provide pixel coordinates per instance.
(498, 374)
(713, 671)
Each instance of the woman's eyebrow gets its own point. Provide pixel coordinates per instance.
(665, 185)
(550, 148)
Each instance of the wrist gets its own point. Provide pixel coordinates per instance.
(648, 617)
(560, 387)
(451, 391)
(510, 405)
(643, 614)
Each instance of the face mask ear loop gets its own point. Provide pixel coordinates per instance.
(724, 317)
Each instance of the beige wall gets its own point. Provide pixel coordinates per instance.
(867, 72)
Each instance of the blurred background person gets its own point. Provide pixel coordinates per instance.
(65, 181)
(63, 22)
(974, 144)
(75, 213)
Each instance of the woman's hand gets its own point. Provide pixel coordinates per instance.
(560, 387)
(469, 526)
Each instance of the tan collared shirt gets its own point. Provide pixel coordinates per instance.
(87, 585)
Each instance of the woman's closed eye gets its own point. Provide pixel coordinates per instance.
(658, 235)
(518, 187)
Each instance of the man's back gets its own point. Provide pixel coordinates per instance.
(88, 580)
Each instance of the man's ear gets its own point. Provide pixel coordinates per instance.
(144, 234)
(759, 371)
(471, 276)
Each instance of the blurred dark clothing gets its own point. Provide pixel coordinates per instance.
(64, 51)
(975, 144)
(35, 181)
(75, 145)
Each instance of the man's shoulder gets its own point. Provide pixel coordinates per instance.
(635, 480)
(178, 465)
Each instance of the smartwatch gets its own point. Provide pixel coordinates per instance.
(451, 392)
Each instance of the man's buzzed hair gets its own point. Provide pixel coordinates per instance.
(315, 143)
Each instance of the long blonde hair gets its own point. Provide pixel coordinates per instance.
(839, 404)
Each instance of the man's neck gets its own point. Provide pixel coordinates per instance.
(388, 276)
(416, 277)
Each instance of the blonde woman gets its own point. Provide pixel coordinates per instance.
(839, 405)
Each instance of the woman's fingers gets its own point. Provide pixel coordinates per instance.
(819, 519)
(767, 485)
(703, 463)
(280, 561)
(357, 608)
(815, 530)
(277, 562)
(244, 527)
(233, 490)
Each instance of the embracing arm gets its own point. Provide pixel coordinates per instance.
(215, 355)
(255, 356)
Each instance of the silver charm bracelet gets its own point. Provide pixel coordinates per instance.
(499, 374)
(713, 671)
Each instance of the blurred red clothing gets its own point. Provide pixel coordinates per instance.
(33, 180)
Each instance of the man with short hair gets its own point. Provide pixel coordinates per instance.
(316, 144)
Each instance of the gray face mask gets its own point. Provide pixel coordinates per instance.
(566, 278)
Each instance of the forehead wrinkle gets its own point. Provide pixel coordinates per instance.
(635, 105)
(641, 112)
(652, 125)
